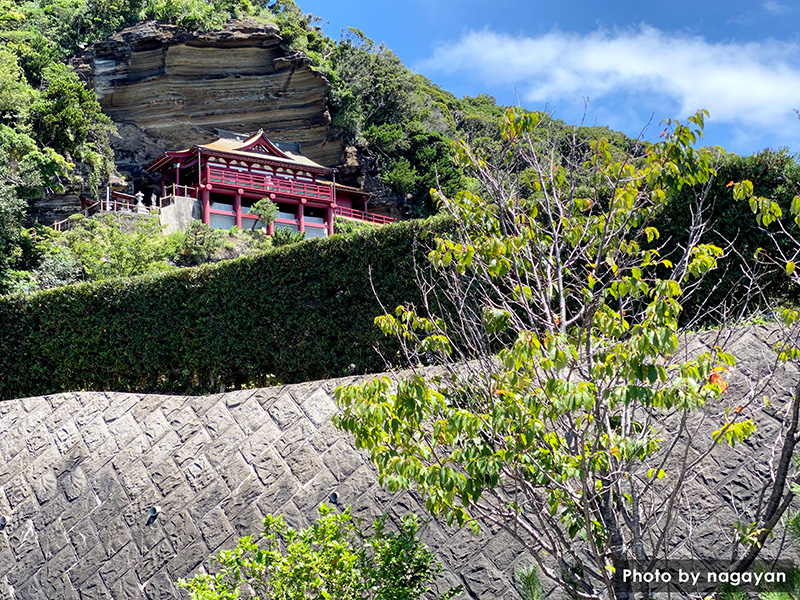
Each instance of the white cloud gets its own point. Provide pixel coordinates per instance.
(747, 84)
(774, 7)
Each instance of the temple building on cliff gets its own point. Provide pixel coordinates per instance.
(221, 180)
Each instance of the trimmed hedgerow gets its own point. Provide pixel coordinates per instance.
(297, 313)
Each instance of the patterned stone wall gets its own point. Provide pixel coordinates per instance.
(78, 473)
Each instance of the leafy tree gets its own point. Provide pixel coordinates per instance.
(43, 262)
(29, 170)
(555, 430)
(743, 284)
(301, 32)
(106, 251)
(265, 209)
(12, 211)
(369, 86)
(330, 559)
(67, 117)
(24, 171)
(58, 268)
(16, 95)
(401, 177)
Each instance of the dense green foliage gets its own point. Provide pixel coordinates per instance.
(332, 559)
(106, 250)
(296, 313)
(116, 245)
(285, 236)
(743, 283)
(344, 226)
(198, 244)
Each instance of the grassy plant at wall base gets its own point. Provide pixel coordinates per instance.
(296, 313)
(332, 559)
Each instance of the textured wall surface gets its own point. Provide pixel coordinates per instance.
(78, 473)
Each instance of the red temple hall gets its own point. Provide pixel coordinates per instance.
(229, 175)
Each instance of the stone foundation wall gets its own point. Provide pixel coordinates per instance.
(78, 473)
(179, 215)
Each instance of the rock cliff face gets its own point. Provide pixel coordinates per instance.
(168, 88)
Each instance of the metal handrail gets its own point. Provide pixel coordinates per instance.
(115, 202)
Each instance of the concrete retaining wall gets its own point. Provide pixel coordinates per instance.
(78, 473)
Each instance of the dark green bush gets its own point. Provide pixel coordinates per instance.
(286, 236)
(297, 313)
(729, 291)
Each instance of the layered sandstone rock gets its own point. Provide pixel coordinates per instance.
(169, 88)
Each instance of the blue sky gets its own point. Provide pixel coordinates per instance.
(632, 60)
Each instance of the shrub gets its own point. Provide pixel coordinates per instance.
(286, 236)
(198, 244)
(330, 559)
(297, 313)
(342, 226)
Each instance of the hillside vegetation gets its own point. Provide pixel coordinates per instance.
(53, 136)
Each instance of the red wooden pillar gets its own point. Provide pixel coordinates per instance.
(237, 207)
(206, 206)
(301, 220)
(177, 174)
(329, 220)
(163, 185)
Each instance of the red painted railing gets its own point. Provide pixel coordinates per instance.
(269, 184)
(352, 213)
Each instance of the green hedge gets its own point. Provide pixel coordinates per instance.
(297, 313)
